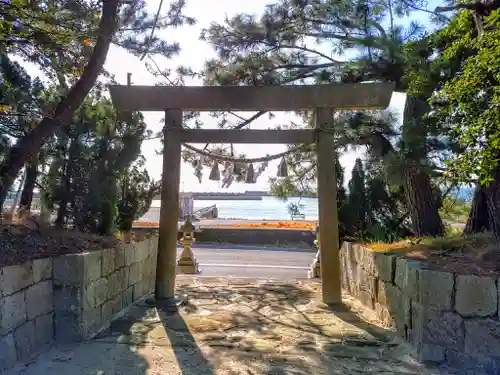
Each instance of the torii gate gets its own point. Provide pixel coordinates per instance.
(323, 99)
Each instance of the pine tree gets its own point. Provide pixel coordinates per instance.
(136, 192)
(277, 49)
(467, 104)
(71, 42)
(357, 202)
(91, 157)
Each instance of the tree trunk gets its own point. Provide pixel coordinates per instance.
(421, 203)
(62, 210)
(478, 220)
(33, 141)
(66, 186)
(492, 193)
(29, 185)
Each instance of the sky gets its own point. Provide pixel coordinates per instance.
(194, 53)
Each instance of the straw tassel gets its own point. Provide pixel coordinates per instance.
(282, 168)
(214, 173)
(250, 177)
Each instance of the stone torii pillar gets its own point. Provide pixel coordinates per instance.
(328, 211)
(166, 266)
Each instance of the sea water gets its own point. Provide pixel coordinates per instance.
(271, 208)
(268, 208)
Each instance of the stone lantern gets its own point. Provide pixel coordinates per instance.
(315, 269)
(187, 262)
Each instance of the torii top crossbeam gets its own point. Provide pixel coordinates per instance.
(252, 98)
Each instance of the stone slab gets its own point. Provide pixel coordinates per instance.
(476, 296)
(42, 269)
(436, 289)
(44, 330)
(130, 255)
(444, 329)
(134, 273)
(39, 299)
(117, 282)
(111, 307)
(12, 312)
(68, 299)
(386, 266)
(119, 254)
(75, 269)
(471, 364)
(431, 353)
(482, 337)
(77, 327)
(141, 250)
(24, 337)
(108, 262)
(8, 356)
(16, 277)
(96, 293)
(406, 276)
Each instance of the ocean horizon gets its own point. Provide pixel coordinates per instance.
(271, 208)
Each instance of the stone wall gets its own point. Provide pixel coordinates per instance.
(90, 288)
(26, 310)
(71, 297)
(446, 317)
(244, 236)
(255, 236)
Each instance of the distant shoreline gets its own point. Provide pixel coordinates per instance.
(221, 196)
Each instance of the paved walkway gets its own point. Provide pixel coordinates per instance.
(232, 327)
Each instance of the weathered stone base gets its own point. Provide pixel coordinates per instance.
(446, 317)
(315, 269)
(188, 266)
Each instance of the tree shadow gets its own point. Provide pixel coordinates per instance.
(160, 335)
(105, 354)
(251, 327)
(280, 328)
(190, 358)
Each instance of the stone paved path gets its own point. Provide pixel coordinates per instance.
(233, 327)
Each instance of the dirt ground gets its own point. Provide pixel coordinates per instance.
(237, 327)
(472, 255)
(19, 243)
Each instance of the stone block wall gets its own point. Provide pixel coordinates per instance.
(91, 288)
(71, 297)
(446, 317)
(26, 310)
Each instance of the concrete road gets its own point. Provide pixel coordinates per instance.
(252, 261)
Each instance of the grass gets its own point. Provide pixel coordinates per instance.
(454, 241)
(455, 210)
(474, 254)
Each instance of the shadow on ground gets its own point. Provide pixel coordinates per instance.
(261, 327)
(93, 357)
(249, 327)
